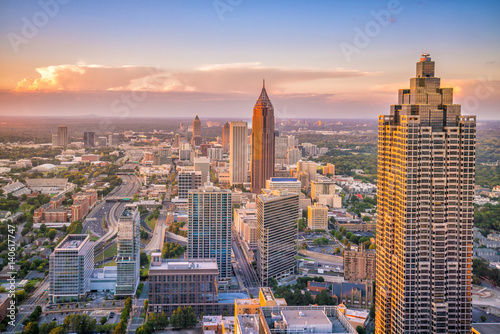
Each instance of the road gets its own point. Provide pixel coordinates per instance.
(156, 243)
(29, 306)
(249, 276)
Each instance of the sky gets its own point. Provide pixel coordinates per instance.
(171, 58)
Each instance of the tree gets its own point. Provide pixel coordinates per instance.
(144, 259)
(146, 303)
(323, 298)
(372, 246)
(31, 328)
(483, 318)
(372, 311)
(366, 218)
(80, 323)
(103, 320)
(360, 329)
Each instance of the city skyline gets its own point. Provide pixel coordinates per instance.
(199, 55)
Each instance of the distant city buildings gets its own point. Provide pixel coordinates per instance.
(62, 135)
(284, 183)
(277, 230)
(209, 233)
(425, 211)
(262, 142)
(88, 139)
(70, 267)
(238, 138)
(128, 252)
(196, 140)
(225, 137)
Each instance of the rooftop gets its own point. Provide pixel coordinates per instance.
(73, 241)
(304, 317)
(493, 328)
(284, 179)
(185, 264)
(248, 323)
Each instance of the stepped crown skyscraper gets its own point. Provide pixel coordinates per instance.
(425, 211)
(262, 142)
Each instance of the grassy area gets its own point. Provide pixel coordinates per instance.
(109, 264)
(151, 222)
(94, 238)
(298, 257)
(110, 251)
(26, 207)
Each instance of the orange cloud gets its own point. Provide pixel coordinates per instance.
(239, 78)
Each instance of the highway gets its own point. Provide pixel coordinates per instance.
(156, 243)
(129, 188)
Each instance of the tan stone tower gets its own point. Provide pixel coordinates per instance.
(262, 142)
(425, 211)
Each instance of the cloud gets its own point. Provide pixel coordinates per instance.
(237, 78)
(87, 77)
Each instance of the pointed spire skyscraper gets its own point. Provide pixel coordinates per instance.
(262, 141)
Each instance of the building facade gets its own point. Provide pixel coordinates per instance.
(182, 282)
(62, 135)
(128, 252)
(425, 211)
(238, 139)
(70, 267)
(196, 140)
(317, 217)
(281, 183)
(188, 180)
(359, 265)
(88, 139)
(209, 233)
(262, 142)
(277, 230)
(225, 137)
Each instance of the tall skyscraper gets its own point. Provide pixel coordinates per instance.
(70, 267)
(128, 251)
(225, 137)
(88, 139)
(276, 232)
(62, 135)
(196, 141)
(238, 138)
(209, 233)
(426, 166)
(262, 142)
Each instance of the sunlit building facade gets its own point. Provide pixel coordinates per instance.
(262, 142)
(425, 211)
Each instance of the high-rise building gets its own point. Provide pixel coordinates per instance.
(88, 139)
(55, 140)
(62, 135)
(280, 149)
(70, 267)
(238, 138)
(188, 180)
(113, 139)
(202, 164)
(323, 186)
(128, 251)
(425, 211)
(209, 219)
(225, 137)
(276, 214)
(196, 141)
(215, 153)
(262, 142)
(359, 264)
(317, 217)
(293, 155)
